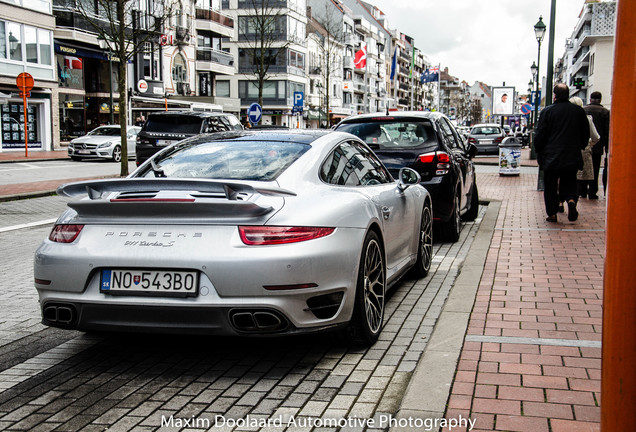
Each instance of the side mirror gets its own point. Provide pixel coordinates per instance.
(472, 150)
(408, 177)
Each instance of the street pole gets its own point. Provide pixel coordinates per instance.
(110, 81)
(550, 72)
(618, 376)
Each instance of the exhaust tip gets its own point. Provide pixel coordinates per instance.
(60, 315)
(258, 321)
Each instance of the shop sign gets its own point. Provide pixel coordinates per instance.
(142, 86)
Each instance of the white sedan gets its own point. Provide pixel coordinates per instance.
(103, 142)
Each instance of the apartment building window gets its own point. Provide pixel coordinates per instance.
(151, 61)
(591, 67)
(296, 59)
(38, 5)
(271, 90)
(223, 88)
(20, 42)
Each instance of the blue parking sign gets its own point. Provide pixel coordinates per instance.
(299, 99)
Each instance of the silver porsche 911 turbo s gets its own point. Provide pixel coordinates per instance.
(238, 233)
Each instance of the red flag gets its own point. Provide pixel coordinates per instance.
(73, 62)
(360, 60)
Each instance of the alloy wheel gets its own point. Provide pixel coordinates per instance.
(374, 288)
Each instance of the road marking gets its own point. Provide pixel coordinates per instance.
(534, 341)
(27, 225)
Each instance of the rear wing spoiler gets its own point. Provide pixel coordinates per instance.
(208, 188)
(146, 199)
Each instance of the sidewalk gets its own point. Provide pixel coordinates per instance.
(531, 358)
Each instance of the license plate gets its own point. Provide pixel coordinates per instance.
(485, 142)
(165, 142)
(151, 282)
(84, 151)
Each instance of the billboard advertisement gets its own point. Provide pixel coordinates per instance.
(503, 100)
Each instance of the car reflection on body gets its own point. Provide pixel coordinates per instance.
(103, 142)
(253, 232)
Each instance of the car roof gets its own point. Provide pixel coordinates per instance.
(302, 136)
(487, 125)
(201, 114)
(395, 114)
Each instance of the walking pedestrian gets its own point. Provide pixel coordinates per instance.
(586, 174)
(601, 117)
(562, 132)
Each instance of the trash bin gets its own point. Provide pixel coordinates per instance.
(510, 156)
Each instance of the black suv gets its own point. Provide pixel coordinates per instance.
(428, 143)
(165, 128)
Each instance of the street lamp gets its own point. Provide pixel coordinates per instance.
(539, 32)
(105, 45)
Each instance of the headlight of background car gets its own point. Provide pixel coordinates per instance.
(106, 144)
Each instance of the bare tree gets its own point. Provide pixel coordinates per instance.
(264, 34)
(329, 25)
(125, 29)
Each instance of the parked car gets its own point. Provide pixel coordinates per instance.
(429, 144)
(164, 128)
(240, 233)
(507, 130)
(103, 142)
(487, 138)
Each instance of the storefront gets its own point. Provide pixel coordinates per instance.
(85, 84)
(12, 117)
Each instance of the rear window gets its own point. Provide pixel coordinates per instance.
(234, 160)
(394, 134)
(181, 124)
(485, 130)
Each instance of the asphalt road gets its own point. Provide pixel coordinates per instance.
(25, 172)
(52, 379)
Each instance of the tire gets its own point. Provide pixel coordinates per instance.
(473, 211)
(425, 246)
(452, 228)
(116, 154)
(368, 311)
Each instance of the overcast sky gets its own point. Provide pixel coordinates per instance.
(490, 41)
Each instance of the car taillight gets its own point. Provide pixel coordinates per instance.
(498, 140)
(442, 158)
(263, 235)
(472, 140)
(65, 233)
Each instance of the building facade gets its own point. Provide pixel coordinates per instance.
(26, 46)
(588, 62)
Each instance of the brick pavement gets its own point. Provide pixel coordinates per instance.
(531, 357)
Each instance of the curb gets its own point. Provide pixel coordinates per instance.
(429, 389)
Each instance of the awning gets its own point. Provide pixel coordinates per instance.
(316, 115)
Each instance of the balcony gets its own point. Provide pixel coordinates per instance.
(215, 22)
(211, 60)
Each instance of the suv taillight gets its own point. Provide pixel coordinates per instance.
(442, 159)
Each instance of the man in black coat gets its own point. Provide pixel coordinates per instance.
(562, 132)
(601, 118)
